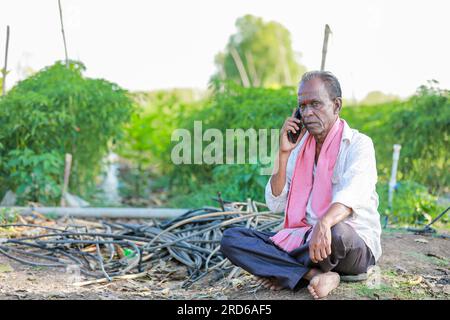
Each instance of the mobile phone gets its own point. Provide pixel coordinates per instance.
(294, 136)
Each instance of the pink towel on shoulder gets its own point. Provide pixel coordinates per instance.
(302, 184)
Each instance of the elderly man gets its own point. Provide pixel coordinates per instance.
(325, 183)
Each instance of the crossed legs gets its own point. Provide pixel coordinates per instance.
(276, 269)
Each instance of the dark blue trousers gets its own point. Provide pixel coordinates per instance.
(254, 252)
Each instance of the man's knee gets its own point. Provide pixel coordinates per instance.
(341, 236)
(229, 238)
(347, 245)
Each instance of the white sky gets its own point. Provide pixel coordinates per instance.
(392, 46)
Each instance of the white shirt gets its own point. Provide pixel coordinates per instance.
(311, 217)
(353, 185)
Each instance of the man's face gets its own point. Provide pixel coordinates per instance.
(319, 112)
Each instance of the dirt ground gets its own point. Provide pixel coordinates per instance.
(412, 267)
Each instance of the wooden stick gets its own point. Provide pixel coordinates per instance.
(68, 165)
(249, 210)
(88, 223)
(260, 204)
(103, 280)
(63, 34)
(4, 70)
(234, 273)
(325, 46)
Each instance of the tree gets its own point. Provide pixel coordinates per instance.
(259, 54)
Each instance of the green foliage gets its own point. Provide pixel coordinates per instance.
(235, 182)
(266, 52)
(147, 136)
(412, 203)
(374, 121)
(53, 112)
(134, 185)
(421, 125)
(423, 128)
(36, 175)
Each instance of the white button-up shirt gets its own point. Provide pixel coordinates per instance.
(353, 185)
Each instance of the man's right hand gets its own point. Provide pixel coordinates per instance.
(278, 179)
(291, 124)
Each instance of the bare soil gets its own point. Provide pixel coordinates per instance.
(411, 267)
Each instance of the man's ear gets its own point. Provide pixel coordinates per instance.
(337, 105)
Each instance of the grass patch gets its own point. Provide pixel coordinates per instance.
(393, 286)
(444, 262)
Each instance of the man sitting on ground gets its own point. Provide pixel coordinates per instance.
(325, 183)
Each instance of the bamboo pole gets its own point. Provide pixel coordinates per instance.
(240, 66)
(63, 34)
(5, 66)
(325, 46)
(68, 165)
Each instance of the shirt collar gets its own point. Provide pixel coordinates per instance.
(347, 133)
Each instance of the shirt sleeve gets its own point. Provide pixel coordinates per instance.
(276, 203)
(359, 178)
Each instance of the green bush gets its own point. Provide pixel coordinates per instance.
(53, 112)
(147, 136)
(423, 129)
(36, 175)
(421, 125)
(375, 121)
(412, 203)
(234, 182)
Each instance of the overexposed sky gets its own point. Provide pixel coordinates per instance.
(393, 46)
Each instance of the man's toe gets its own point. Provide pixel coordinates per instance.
(276, 287)
(312, 291)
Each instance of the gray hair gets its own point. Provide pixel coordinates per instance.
(329, 79)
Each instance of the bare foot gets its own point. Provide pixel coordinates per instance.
(322, 284)
(268, 283)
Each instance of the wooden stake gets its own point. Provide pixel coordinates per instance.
(4, 70)
(63, 34)
(68, 165)
(325, 46)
